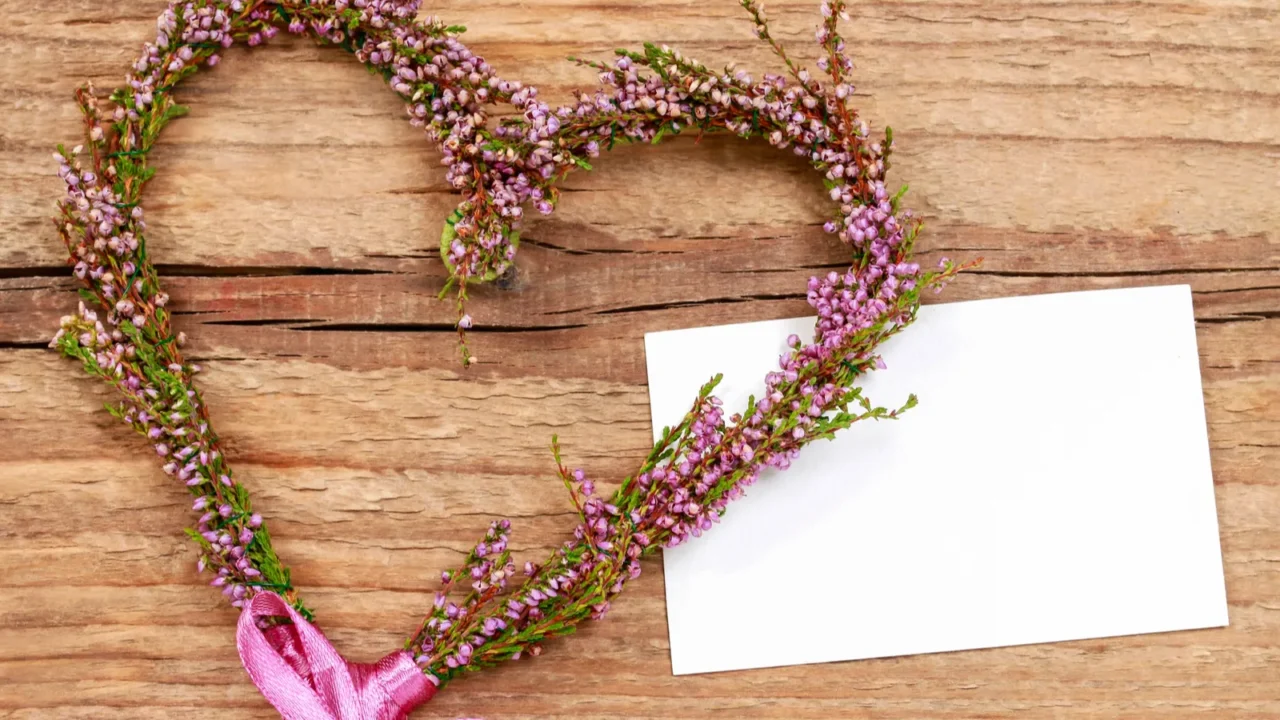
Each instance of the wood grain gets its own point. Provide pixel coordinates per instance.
(1073, 144)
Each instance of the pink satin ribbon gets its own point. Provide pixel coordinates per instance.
(301, 674)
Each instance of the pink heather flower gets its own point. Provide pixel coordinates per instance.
(719, 456)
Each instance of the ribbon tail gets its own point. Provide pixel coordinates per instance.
(299, 672)
(319, 695)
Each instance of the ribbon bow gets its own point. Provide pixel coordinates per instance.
(301, 674)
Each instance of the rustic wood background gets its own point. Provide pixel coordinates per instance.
(1074, 144)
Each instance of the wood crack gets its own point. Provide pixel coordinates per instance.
(1118, 273)
(24, 344)
(263, 322)
(593, 251)
(659, 307)
(432, 328)
(197, 270)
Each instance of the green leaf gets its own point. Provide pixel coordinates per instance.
(174, 111)
(897, 197)
(446, 238)
(448, 285)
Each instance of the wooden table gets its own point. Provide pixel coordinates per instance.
(1074, 145)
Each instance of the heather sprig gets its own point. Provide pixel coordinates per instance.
(483, 614)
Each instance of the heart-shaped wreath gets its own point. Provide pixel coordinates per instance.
(481, 615)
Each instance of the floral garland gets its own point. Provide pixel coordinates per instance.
(482, 615)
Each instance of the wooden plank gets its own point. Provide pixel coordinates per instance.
(1074, 144)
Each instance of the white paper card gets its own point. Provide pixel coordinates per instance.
(1053, 484)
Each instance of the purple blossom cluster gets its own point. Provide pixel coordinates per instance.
(446, 88)
(127, 340)
(687, 483)
(446, 630)
(180, 30)
(157, 398)
(482, 614)
(644, 97)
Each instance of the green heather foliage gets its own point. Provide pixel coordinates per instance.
(482, 616)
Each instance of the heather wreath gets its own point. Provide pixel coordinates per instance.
(491, 608)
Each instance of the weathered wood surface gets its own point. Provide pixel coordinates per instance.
(1073, 145)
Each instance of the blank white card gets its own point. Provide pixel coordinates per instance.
(1053, 484)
